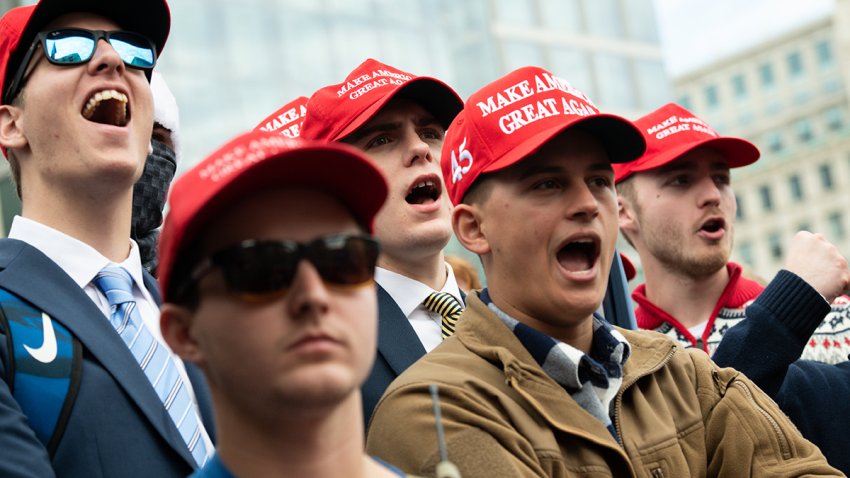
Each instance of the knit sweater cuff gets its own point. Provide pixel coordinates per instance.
(794, 303)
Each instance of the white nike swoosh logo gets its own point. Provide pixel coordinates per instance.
(47, 352)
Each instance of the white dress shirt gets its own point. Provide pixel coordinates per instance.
(82, 263)
(409, 294)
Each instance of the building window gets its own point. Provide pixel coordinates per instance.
(796, 187)
(766, 75)
(640, 20)
(804, 226)
(823, 50)
(795, 64)
(518, 53)
(739, 87)
(775, 244)
(614, 78)
(573, 64)
(836, 226)
(804, 130)
(711, 98)
(825, 172)
(773, 107)
(685, 102)
(834, 118)
(516, 13)
(653, 82)
(766, 198)
(774, 141)
(603, 18)
(745, 250)
(560, 15)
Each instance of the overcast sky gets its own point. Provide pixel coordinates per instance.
(695, 32)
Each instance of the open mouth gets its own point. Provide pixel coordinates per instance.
(713, 225)
(424, 191)
(108, 107)
(579, 255)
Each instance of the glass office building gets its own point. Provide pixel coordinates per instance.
(230, 63)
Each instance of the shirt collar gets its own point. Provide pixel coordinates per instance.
(605, 346)
(78, 259)
(410, 293)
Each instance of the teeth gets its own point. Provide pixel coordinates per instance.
(423, 184)
(99, 97)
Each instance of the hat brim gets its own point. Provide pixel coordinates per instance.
(738, 152)
(436, 97)
(620, 138)
(151, 19)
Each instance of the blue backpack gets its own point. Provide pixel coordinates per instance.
(43, 367)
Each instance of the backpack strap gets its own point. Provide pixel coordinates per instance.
(43, 368)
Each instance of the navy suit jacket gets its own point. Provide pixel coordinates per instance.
(398, 348)
(118, 425)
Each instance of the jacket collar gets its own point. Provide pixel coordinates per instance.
(485, 335)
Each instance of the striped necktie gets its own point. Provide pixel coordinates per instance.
(155, 360)
(449, 309)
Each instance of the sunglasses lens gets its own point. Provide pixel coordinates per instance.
(345, 260)
(135, 50)
(258, 268)
(69, 47)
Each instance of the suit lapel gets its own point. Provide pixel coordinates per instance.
(35, 278)
(397, 341)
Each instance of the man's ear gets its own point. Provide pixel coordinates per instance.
(468, 227)
(176, 324)
(11, 133)
(626, 214)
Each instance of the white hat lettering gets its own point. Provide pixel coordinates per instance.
(545, 107)
(368, 82)
(464, 156)
(677, 124)
(506, 97)
(240, 157)
(288, 116)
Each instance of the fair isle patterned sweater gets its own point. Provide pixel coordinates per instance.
(830, 342)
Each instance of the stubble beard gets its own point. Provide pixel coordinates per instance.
(668, 247)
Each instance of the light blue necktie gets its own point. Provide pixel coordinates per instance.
(155, 360)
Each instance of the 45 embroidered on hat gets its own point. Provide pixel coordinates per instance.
(512, 117)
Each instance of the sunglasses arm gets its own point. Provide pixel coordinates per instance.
(12, 91)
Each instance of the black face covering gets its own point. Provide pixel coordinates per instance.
(149, 194)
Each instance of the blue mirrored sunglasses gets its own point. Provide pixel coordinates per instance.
(74, 46)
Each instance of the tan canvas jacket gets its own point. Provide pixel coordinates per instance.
(678, 414)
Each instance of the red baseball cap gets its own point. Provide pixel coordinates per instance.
(287, 120)
(19, 26)
(256, 161)
(671, 131)
(336, 111)
(514, 116)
